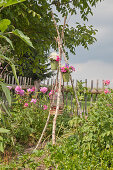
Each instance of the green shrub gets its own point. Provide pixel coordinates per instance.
(91, 145)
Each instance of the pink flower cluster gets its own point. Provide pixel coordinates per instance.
(107, 91)
(26, 105)
(67, 68)
(19, 90)
(45, 107)
(73, 69)
(32, 101)
(31, 90)
(43, 89)
(63, 70)
(51, 92)
(58, 58)
(107, 82)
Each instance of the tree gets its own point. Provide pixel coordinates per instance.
(34, 18)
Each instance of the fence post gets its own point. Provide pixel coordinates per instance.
(37, 85)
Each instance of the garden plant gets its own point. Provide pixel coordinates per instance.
(28, 31)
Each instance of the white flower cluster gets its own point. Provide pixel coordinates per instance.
(53, 56)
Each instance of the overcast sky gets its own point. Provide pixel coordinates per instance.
(97, 62)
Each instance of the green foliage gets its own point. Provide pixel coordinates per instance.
(23, 37)
(27, 160)
(25, 123)
(35, 20)
(91, 143)
(2, 131)
(4, 23)
(6, 91)
(6, 3)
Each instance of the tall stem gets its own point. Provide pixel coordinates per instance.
(58, 99)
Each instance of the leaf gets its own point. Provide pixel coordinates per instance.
(2, 130)
(7, 39)
(5, 3)
(1, 138)
(6, 91)
(12, 66)
(4, 58)
(1, 147)
(4, 23)
(23, 37)
(4, 107)
(14, 72)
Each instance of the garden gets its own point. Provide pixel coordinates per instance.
(50, 126)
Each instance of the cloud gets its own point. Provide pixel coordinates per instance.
(93, 70)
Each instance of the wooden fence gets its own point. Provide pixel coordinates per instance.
(87, 98)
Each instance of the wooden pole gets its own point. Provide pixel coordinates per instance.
(79, 108)
(59, 86)
(43, 132)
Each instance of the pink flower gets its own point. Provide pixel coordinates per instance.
(26, 105)
(107, 91)
(28, 90)
(19, 90)
(45, 107)
(63, 70)
(43, 89)
(9, 87)
(107, 82)
(51, 92)
(73, 69)
(21, 93)
(33, 88)
(109, 105)
(33, 101)
(58, 58)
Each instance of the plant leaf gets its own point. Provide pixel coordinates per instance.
(1, 147)
(2, 130)
(14, 72)
(6, 91)
(12, 66)
(4, 23)
(23, 37)
(7, 39)
(6, 3)
(4, 107)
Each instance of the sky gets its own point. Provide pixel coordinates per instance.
(97, 62)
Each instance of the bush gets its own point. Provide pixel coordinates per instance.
(91, 145)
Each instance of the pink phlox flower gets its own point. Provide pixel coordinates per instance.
(107, 82)
(107, 91)
(26, 105)
(21, 93)
(108, 105)
(33, 89)
(30, 90)
(43, 89)
(33, 101)
(9, 87)
(51, 92)
(45, 107)
(19, 90)
(73, 69)
(58, 58)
